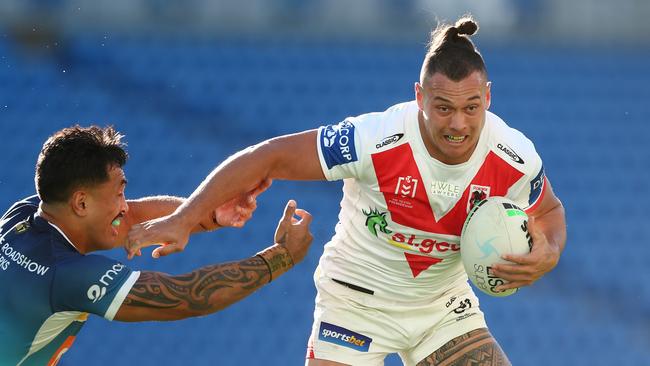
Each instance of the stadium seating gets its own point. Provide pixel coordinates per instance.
(185, 104)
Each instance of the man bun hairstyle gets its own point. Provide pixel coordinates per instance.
(451, 52)
(77, 157)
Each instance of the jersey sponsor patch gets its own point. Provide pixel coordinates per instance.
(536, 187)
(511, 153)
(389, 140)
(337, 144)
(343, 337)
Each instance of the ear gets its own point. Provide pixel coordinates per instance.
(419, 97)
(79, 203)
(488, 95)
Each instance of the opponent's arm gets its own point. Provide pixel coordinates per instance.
(160, 296)
(547, 227)
(292, 157)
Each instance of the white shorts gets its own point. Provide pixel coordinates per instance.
(356, 328)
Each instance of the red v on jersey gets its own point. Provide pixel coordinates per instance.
(419, 263)
(406, 196)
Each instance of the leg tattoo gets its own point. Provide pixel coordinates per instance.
(476, 348)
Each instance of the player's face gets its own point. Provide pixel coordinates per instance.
(106, 209)
(452, 114)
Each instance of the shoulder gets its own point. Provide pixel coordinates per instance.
(511, 145)
(20, 210)
(379, 129)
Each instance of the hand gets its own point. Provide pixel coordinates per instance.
(168, 232)
(293, 233)
(236, 212)
(530, 267)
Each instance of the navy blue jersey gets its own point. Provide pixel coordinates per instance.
(49, 288)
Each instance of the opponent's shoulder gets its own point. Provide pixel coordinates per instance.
(19, 211)
(511, 145)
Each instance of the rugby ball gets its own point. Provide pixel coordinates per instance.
(494, 227)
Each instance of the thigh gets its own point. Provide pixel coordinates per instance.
(347, 329)
(476, 347)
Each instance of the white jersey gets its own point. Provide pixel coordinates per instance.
(402, 210)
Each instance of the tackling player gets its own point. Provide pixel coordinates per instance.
(391, 280)
(50, 282)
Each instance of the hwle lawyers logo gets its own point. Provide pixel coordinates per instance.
(97, 292)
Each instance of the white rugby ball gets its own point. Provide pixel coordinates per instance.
(494, 227)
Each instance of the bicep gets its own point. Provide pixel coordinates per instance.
(549, 202)
(295, 156)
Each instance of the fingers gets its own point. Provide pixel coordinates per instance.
(166, 249)
(289, 211)
(266, 183)
(305, 217)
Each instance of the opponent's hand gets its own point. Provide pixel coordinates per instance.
(293, 233)
(236, 212)
(528, 268)
(168, 232)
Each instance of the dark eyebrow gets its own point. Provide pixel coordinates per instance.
(449, 101)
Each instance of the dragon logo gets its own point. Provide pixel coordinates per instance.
(376, 220)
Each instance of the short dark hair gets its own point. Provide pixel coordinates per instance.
(74, 157)
(452, 53)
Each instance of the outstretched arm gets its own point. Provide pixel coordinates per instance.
(233, 213)
(159, 296)
(292, 157)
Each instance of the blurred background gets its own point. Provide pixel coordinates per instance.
(191, 82)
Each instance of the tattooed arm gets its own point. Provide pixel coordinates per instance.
(160, 296)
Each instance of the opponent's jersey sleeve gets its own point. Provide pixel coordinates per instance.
(19, 211)
(93, 284)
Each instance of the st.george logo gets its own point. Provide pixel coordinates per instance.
(477, 193)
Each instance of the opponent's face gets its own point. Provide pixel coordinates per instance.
(452, 114)
(106, 206)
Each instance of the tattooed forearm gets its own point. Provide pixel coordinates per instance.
(202, 291)
(278, 259)
(477, 347)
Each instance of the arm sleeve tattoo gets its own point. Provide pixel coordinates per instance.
(200, 292)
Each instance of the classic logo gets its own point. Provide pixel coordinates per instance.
(406, 186)
(97, 292)
(477, 194)
(343, 337)
(513, 155)
(337, 142)
(389, 140)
